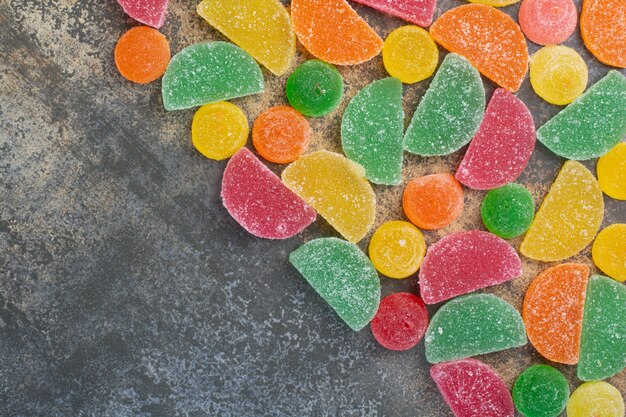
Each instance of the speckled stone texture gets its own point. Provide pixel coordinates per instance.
(125, 287)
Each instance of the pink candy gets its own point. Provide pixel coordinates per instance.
(149, 12)
(419, 12)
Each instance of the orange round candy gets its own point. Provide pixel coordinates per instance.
(433, 201)
(603, 27)
(280, 134)
(142, 54)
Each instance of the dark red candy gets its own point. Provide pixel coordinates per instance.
(400, 322)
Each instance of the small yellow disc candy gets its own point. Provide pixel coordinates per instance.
(558, 74)
(596, 399)
(397, 249)
(612, 172)
(219, 130)
(609, 251)
(410, 54)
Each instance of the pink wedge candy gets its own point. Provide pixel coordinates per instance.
(419, 12)
(148, 12)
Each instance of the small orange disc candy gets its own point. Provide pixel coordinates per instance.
(433, 201)
(142, 54)
(280, 134)
(603, 27)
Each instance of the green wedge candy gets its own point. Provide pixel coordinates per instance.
(508, 211)
(540, 391)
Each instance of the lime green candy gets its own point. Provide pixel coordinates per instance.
(315, 88)
(343, 276)
(540, 391)
(372, 131)
(508, 211)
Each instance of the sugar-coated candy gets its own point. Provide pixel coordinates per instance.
(336, 187)
(280, 134)
(450, 111)
(611, 171)
(472, 389)
(603, 338)
(508, 211)
(593, 124)
(218, 130)
(372, 131)
(397, 249)
(558, 74)
(603, 28)
(419, 12)
(596, 399)
(148, 12)
(472, 30)
(433, 201)
(315, 88)
(332, 31)
(495, 3)
(501, 148)
(410, 54)
(473, 325)
(540, 391)
(142, 54)
(343, 276)
(256, 198)
(548, 22)
(609, 251)
(553, 311)
(400, 322)
(260, 27)
(207, 73)
(569, 217)
(462, 262)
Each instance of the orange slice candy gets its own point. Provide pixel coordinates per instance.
(280, 134)
(489, 39)
(603, 27)
(142, 54)
(333, 32)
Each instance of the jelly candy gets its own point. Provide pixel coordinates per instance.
(612, 172)
(450, 111)
(540, 391)
(558, 74)
(343, 276)
(142, 54)
(603, 339)
(553, 311)
(502, 146)
(148, 12)
(463, 262)
(473, 325)
(495, 3)
(433, 201)
(207, 73)
(472, 389)
(336, 187)
(280, 134)
(410, 54)
(315, 88)
(548, 22)
(593, 124)
(259, 202)
(508, 211)
(372, 131)
(419, 12)
(332, 31)
(596, 399)
(603, 28)
(219, 130)
(400, 322)
(609, 251)
(262, 28)
(397, 249)
(472, 30)
(569, 217)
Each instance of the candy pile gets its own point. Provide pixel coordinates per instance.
(569, 315)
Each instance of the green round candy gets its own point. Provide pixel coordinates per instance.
(315, 88)
(508, 211)
(540, 391)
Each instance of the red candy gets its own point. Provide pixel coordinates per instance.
(149, 12)
(472, 389)
(548, 22)
(419, 12)
(464, 262)
(257, 199)
(502, 146)
(400, 322)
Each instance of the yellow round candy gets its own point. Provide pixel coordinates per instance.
(558, 74)
(410, 54)
(219, 130)
(397, 249)
(612, 172)
(596, 399)
(609, 251)
(495, 3)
